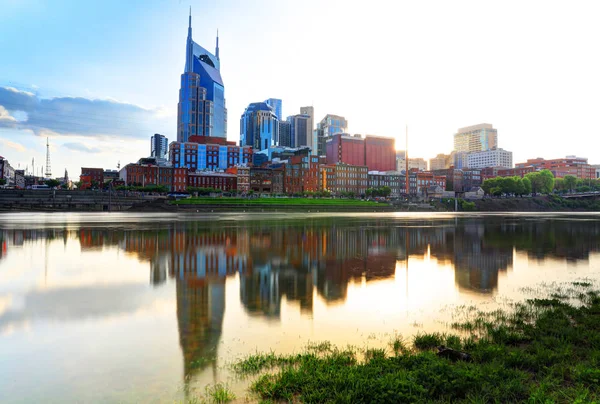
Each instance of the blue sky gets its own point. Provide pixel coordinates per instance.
(99, 78)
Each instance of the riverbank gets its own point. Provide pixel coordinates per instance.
(541, 350)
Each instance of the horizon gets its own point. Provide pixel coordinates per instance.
(528, 74)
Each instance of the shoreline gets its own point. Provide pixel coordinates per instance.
(544, 349)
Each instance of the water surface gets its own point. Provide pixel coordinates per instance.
(153, 307)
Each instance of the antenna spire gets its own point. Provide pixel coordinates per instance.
(48, 172)
(217, 50)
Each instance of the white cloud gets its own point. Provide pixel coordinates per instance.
(78, 116)
(12, 145)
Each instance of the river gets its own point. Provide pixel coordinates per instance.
(117, 307)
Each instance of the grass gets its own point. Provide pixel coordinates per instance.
(541, 350)
(275, 202)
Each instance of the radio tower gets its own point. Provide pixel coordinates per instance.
(48, 172)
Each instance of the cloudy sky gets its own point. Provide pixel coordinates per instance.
(100, 77)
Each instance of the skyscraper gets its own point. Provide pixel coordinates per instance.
(329, 126)
(259, 127)
(159, 146)
(310, 141)
(301, 134)
(276, 104)
(476, 138)
(201, 110)
(285, 134)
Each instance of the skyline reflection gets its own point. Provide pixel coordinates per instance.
(291, 260)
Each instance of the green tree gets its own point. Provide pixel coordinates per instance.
(547, 181)
(570, 182)
(53, 183)
(536, 182)
(526, 186)
(386, 191)
(2, 181)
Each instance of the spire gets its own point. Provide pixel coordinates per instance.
(189, 47)
(190, 24)
(217, 50)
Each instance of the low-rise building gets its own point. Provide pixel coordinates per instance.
(243, 177)
(570, 165)
(208, 179)
(475, 193)
(91, 177)
(416, 163)
(174, 179)
(345, 178)
(261, 180)
(426, 179)
(392, 179)
(7, 172)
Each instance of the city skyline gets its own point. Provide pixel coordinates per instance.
(529, 77)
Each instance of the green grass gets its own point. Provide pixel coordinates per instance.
(219, 393)
(544, 350)
(275, 202)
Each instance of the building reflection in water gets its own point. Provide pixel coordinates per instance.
(296, 260)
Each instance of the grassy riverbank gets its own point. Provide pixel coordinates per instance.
(541, 350)
(275, 202)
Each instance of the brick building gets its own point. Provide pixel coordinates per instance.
(375, 152)
(392, 179)
(261, 180)
(207, 179)
(208, 153)
(174, 179)
(570, 165)
(243, 177)
(91, 177)
(340, 177)
(380, 153)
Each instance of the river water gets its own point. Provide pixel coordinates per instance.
(154, 307)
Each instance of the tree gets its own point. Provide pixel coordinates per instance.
(547, 179)
(386, 191)
(53, 183)
(526, 186)
(2, 181)
(536, 182)
(570, 182)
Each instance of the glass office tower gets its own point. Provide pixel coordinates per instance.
(201, 110)
(259, 127)
(276, 104)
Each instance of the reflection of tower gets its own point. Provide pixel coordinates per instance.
(200, 312)
(159, 269)
(48, 173)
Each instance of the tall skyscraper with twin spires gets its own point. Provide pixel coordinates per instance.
(201, 110)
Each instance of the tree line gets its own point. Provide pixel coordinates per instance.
(539, 182)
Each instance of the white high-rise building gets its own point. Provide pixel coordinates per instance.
(490, 158)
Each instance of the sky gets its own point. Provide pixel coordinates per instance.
(98, 78)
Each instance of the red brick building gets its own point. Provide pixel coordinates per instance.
(301, 174)
(345, 148)
(375, 152)
(223, 181)
(340, 177)
(570, 165)
(426, 179)
(91, 176)
(380, 153)
(174, 179)
(243, 177)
